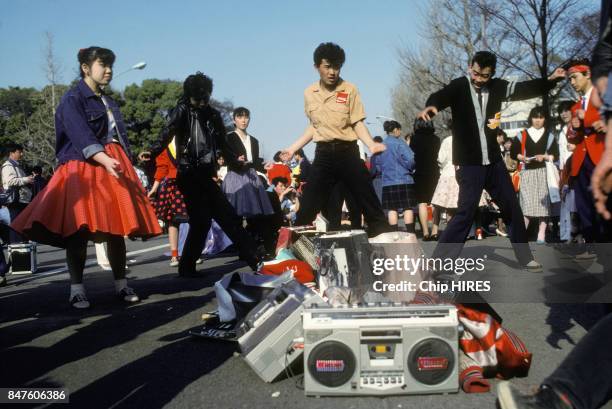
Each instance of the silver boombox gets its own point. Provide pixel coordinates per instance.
(382, 349)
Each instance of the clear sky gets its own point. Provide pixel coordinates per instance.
(259, 53)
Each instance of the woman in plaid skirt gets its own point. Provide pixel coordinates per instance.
(396, 164)
(533, 147)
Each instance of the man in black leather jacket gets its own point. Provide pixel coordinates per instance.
(199, 132)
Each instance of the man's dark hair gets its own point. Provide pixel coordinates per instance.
(280, 179)
(301, 153)
(485, 59)
(241, 111)
(577, 61)
(197, 86)
(537, 112)
(378, 138)
(565, 106)
(13, 147)
(331, 52)
(90, 54)
(277, 157)
(390, 126)
(37, 169)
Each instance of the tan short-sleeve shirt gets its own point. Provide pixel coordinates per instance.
(333, 114)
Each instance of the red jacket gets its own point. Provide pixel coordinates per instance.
(165, 167)
(586, 138)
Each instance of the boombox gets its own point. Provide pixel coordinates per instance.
(390, 349)
(266, 335)
(343, 260)
(23, 258)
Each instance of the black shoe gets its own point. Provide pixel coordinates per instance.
(434, 237)
(426, 237)
(545, 398)
(190, 274)
(79, 301)
(128, 296)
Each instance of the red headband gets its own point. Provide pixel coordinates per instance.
(579, 68)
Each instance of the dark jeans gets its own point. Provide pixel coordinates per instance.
(3, 266)
(339, 161)
(14, 211)
(472, 179)
(205, 201)
(585, 375)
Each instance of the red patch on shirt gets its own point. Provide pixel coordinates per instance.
(341, 97)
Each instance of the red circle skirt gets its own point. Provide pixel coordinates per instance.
(83, 197)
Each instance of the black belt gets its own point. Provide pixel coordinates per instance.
(337, 142)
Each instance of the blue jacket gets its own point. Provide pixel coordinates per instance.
(81, 125)
(396, 163)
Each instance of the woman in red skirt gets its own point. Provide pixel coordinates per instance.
(94, 193)
(169, 205)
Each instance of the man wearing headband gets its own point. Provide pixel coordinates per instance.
(588, 134)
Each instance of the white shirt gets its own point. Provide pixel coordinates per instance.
(586, 98)
(564, 154)
(246, 142)
(536, 134)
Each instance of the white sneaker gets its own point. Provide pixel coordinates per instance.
(199, 261)
(533, 266)
(174, 262)
(79, 301)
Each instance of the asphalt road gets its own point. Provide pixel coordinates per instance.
(113, 356)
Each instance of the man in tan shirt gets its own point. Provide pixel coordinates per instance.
(336, 115)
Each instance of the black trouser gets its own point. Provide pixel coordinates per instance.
(339, 161)
(472, 179)
(585, 375)
(14, 211)
(205, 201)
(333, 210)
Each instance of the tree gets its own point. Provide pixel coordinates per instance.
(530, 38)
(540, 33)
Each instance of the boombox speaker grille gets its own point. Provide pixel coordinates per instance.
(431, 361)
(331, 363)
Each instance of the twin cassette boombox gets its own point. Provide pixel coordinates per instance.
(266, 335)
(380, 350)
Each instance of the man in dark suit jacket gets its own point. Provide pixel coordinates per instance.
(475, 102)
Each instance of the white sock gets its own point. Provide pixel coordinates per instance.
(76, 289)
(120, 284)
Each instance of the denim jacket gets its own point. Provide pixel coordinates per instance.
(396, 163)
(81, 125)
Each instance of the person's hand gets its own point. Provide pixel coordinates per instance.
(540, 158)
(286, 155)
(601, 183)
(600, 126)
(576, 122)
(558, 73)
(30, 179)
(580, 114)
(151, 193)
(241, 158)
(428, 113)
(377, 147)
(113, 167)
(268, 165)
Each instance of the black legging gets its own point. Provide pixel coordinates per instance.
(76, 254)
